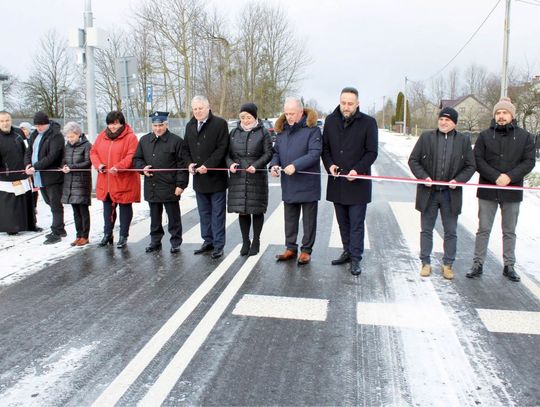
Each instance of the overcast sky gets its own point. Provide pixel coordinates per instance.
(371, 45)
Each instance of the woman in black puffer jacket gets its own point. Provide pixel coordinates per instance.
(250, 150)
(77, 184)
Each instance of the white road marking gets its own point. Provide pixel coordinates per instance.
(174, 370)
(516, 322)
(531, 285)
(307, 309)
(121, 383)
(335, 237)
(416, 316)
(408, 219)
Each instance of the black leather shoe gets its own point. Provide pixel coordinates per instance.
(476, 271)
(217, 253)
(510, 273)
(356, 269)
(175, 249)
(204, 248)
(107, 239)
(153, 247)
(61, 234)
(122, 242)
(52, 239)
(345, 257)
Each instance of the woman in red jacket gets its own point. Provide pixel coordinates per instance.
(111, 153)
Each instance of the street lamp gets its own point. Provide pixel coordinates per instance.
(3, 78)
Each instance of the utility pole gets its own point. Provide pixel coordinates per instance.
(504, 74)
(90, 75)
(405, 109)
(383, 106)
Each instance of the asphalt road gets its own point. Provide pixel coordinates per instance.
(108, 327)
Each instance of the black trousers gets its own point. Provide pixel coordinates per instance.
(309, 224)
(174, 224)
(351, 228)
(52, 195)
(81, 216)
(109, 217)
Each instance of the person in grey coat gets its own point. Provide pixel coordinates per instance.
(445, 155)
(250, 150)
(77, 180)
(297, 150)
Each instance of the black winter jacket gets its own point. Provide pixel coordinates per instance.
(423, 162)
(50, 156)
(12, 151)
(248, 193)
(77, 184)
(162, 152)
(351, 147)
(208, 148)
(503, 150)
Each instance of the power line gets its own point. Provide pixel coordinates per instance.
(466, 43)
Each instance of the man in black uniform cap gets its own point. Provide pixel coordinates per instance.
(162, 149)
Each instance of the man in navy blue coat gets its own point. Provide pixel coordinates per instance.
(350, 145)
(298, 149)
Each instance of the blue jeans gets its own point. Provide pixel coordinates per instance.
(439, 200)
(212, 208)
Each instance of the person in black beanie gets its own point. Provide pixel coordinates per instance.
(441, 155)
(250, 150)
(46, 152)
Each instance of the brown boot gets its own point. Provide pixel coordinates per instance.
(286, 255)
(75, 242)
(83, 241)
(304, 258)
(447, 271)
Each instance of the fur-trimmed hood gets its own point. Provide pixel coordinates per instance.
(311, 120)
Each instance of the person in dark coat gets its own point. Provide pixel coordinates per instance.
(46, 152)
(16, 203)
(156, 150)
(250, 150)
(78, 180)
(298, 149)
(441, 155)
(207, 143)
(350, 147)
(504, 155)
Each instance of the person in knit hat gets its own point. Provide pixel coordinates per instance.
(504, 155)
(250, 150)
(443, 154)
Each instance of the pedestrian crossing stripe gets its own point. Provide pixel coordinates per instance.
(268, 306)
(505, 321)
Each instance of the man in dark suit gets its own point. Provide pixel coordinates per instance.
(207, 144)
(162, 149)
(350, 147)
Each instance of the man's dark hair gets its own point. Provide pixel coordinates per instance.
(115, 115)
(350, 89)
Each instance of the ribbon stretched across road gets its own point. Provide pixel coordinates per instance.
(378, 178)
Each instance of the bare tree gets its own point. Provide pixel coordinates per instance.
(475, 79)
(52, 84)
(453, 83)
(438, 89)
